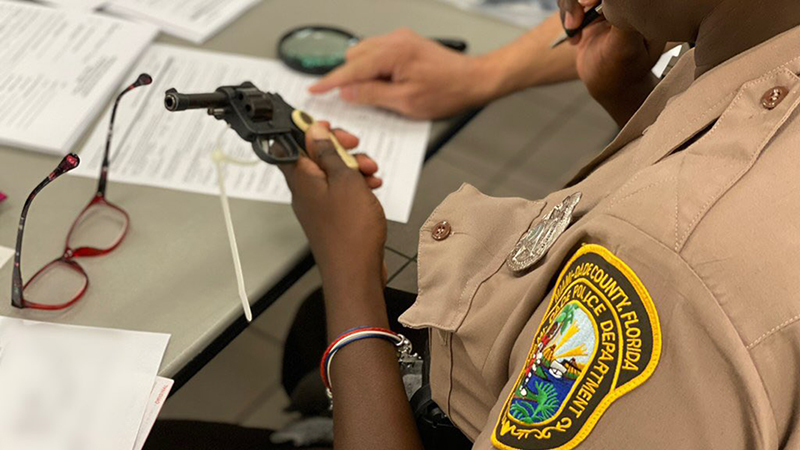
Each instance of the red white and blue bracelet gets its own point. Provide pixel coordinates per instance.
(404, 349)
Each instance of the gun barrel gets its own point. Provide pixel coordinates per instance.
(175, 101)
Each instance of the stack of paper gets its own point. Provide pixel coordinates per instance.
(194, 20)
(156, 401)
(158, 148)
(58, 69)
(5, 255)
(525, 13)
(76, 387)
(83, 5)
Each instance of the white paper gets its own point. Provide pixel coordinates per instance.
(525, 13)
(194, 20)
(83, 5)
(155, 147)
(156, 401)
(57, 70)
(663, 62)
(66, 387)
(5, 255)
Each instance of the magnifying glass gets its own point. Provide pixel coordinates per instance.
(317, 50)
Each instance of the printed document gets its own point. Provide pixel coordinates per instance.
(58, 68)
(524, 13)
(68, 387)
(193, 20)
(5, 255)
(83, 5)
(155, 147)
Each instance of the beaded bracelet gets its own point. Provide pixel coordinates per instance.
(404, 349)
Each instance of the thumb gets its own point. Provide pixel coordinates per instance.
(571, 14)
(322, 151)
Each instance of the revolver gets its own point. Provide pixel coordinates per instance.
(274, 128)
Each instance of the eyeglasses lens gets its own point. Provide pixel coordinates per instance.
(100, 227)
(58, 283)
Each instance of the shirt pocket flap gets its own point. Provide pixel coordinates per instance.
(482, 232)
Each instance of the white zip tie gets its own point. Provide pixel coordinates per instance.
(219, 157)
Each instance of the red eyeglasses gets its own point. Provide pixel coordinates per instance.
(98, 230)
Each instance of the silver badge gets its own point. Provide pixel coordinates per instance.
(538, 240)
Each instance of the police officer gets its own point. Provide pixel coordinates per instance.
(649, 304)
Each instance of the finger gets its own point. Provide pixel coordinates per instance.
(322, 150)
(361, 48)
(370, 66)
(324, 123)
(374, 43)
(374, 182)
(579, 14)
(299, 175)
(288, 171)
(595, 29)
(571, 13)
(310, 148)
(347, 140)
(376, 93)
(588, 4)
(366, 165)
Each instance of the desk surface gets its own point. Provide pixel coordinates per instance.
(173, 273)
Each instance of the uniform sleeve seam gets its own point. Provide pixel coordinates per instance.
(689, 268)
(697, 276)
(773, 331)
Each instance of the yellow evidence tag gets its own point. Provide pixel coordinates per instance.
(304, 121)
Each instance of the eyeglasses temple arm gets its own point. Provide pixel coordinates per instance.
(69, 162)
(101, 185)
(16, 284)
(143, 80)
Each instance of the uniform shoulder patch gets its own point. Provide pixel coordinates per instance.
(599, 339)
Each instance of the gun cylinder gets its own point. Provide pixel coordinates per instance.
(175, 101)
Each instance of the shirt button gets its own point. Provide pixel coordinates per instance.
(773, 97)
(441, 231)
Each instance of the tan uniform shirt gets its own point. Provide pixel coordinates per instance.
(695, 205)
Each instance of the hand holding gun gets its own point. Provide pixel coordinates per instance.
(275, 129)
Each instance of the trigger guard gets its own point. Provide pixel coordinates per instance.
(258, 148)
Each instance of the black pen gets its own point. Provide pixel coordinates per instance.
(588, 18)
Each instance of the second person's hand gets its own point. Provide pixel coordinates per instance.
(409, 74)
